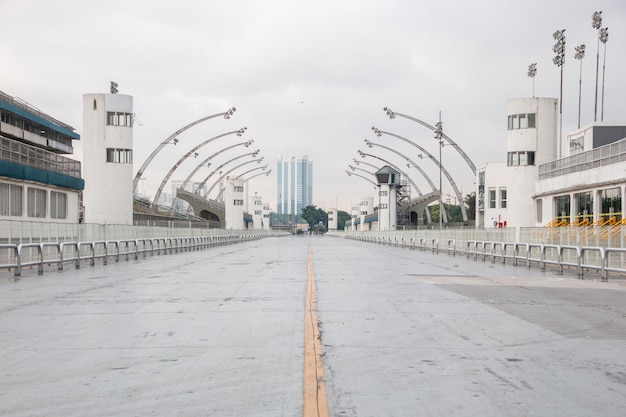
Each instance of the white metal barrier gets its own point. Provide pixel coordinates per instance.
(21, 255)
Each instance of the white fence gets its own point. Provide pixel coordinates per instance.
(32, 244)
(583, 248)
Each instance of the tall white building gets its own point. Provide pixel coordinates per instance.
(108, 158)
(234, 203)
(294, 187)
(579, 181)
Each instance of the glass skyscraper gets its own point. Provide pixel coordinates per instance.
(294, 187)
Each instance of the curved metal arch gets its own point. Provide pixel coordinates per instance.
(203, 183)
(361, 176)
(392, 115)
(357, 162)
(257, 175)
(393, 166)
(426, 177)
(229, 171)
(363, 155)
(205, 161)
(264, 167)
(187, 155)
(361, 169)
(227, 114)
(443, 169)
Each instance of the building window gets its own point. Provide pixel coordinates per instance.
(384, 206)
(492, 198)
(36, 202)
(120, 156)
(523, 158)
(238, 189)
(58, 205)
(119, 119)
(539, 206)
(611, 202)
(522, 121)
(258, 202)
(503, 198)
(257, 212)
(11, 199)
(382, 193)
(577, 145)
(238, 202)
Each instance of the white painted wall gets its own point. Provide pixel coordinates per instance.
(255, 209)
(387, 207)
(234, 203)
(108, 194)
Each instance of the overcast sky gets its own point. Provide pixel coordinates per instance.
(311, 78)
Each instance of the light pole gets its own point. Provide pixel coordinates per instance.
(392, 115)
(361, 176)
(187, 155)
(363, 155)
(266, 173)
(438, 133)
(371, 144)
(596, 23)
(216, 170)
(445, 172)
(579, 55)
(206, 162)
(225, 174)
(559, 60)
(172, 138)
(532, 71)
(604, 37)
(264, 167)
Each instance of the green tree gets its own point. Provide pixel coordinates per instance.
(314, 216)
(342, 218)
(470, 203)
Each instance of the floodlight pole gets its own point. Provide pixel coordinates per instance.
(172, 139)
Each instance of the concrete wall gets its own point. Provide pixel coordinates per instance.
(108, 194)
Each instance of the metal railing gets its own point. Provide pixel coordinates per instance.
(601, 156)
(23, 154)
(60, 253)
(539, 249)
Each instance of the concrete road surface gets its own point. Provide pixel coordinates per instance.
(220, 332)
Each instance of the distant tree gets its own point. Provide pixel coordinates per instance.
(313, 216)
(342, 218)
(470, 203)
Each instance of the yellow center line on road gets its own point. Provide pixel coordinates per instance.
(315, 400)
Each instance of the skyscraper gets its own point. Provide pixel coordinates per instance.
(294, 187)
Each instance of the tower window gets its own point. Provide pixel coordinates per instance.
(522, 121)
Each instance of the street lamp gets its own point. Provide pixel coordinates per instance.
(579, 55)
(208, 164)
(225, 174)
(438, 133)
(371, 144)
(218, 169)
(604, 37)
(596, 23)
(187, 155)
(361, 176)
(532, 71)
(172, 138)
(392, 115)
(559, 60)
(434, 159)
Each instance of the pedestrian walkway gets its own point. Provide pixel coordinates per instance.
(221, 332)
